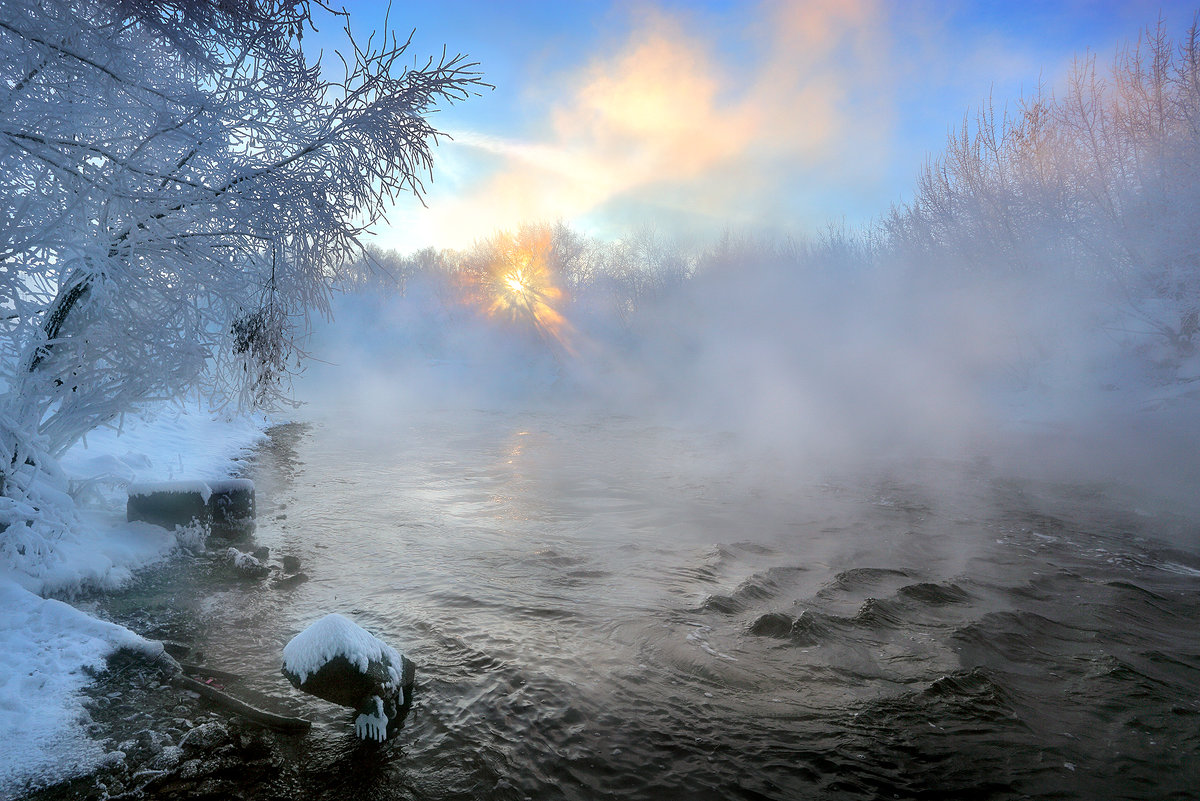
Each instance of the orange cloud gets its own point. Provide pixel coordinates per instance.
(668, 121)
(654, 112)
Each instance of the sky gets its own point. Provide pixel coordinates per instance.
(698, 117)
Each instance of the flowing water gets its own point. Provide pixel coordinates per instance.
(603, 608)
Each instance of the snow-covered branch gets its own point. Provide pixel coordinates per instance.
(180, 185)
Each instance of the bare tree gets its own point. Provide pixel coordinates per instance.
(181, 186)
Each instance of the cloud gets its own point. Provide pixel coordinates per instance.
(701, 127)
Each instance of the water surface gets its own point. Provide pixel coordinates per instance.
(600, 607)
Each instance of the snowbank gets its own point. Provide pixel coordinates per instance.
(333, 636)
(47, 645)
(174, 446)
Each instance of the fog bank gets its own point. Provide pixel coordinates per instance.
(803, 366)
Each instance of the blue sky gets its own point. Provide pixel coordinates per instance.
(695, 117)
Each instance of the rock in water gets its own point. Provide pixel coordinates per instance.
(246, 564)
(338, 661)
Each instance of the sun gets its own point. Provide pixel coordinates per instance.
(516, 283)
(513, 278)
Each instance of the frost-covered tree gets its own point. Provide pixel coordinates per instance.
(1099, 182)
(179, 186)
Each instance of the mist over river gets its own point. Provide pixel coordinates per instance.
(603, 607)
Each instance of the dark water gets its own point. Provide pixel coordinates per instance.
(600, 608)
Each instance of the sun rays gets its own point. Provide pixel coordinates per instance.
(512, 278)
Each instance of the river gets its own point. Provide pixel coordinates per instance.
(601, 607)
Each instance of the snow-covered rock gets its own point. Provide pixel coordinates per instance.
(337, 660)
(333, 636)
(246, 564)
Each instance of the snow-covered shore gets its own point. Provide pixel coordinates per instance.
(46, 644)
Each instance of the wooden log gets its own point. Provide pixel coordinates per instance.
(212, 673)
(269, 719)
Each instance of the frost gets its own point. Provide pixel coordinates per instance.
(191, 536)
(333, 636)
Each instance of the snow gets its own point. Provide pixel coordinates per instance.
(105, 550)
(333, 636)
(176, 445)
(46, 645)
(226, 485)
(205, 489)
(201, 488)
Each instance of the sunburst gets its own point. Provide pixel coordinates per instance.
(516, 282)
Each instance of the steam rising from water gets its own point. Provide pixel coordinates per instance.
(714, 542)
(1033, 306)
(805, 368)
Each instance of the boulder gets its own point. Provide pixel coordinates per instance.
(340, 681)
(224, 507)
(246, 564)
(340, 662)
(205, 737)
(291, 582)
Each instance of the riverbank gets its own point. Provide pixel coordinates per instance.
(164, 740)
(51, 651)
